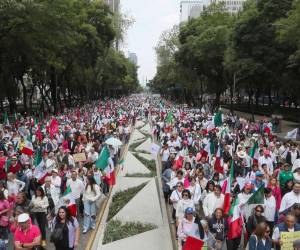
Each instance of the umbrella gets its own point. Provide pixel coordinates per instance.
(113, 142)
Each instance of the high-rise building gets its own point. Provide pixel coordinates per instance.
(231, 6)
(133, 57)
(114, 5)
(192, 9)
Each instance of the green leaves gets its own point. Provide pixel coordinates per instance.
(57, 44)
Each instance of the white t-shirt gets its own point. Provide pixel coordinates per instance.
(77, 187)
(288, 200)
(165, 154)
(175, 197)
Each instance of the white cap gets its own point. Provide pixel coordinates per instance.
(23, 217)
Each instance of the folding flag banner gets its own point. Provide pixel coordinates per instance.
(67, 192)
(28, 148)
(5, 119)
(228, 189)
(192, 243)
(102, 160)
(292, 134)
(258, 197)
(53, 127)
(253, 150)
(169, 118)
(219, 162)
(218, 119)
(235, 224)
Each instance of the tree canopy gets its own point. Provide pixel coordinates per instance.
(254, 53)
(62, 49)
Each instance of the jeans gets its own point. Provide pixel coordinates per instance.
(89, 215)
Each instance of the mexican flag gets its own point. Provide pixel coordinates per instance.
(40, 172)
(254, 152)
(102, 160)
(258, 197)
(53, 127)
(218, 119)
(235, 224)
(28, 148)
(39, 135)
(5, 119)
(227, 205)
(67, 192)
(169, 118)
(219, 162)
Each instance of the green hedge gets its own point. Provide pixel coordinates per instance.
(151, 165)
(121, 198)
(115, 230)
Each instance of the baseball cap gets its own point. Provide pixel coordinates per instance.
(189, 210)
(23, 218)
(258, 173)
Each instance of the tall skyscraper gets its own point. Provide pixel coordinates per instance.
(114, 5)
(192, 9)
(133, 57)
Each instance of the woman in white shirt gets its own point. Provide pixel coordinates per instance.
(91, 194)
(195, 190)
(14, 186)
(39, 204)
(56, 180)
(176, 197)
(269, 208)
(183, 204)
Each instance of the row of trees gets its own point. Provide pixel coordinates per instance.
(254, 53)
(62, 49)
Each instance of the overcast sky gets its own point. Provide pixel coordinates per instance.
(151, 17)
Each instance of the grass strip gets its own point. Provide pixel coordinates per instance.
(151, 165)
(134, 145)
(139, 175)
(115, 230)
(121, 198)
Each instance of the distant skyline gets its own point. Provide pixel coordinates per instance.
(152, 17)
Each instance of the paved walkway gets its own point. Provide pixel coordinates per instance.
(146, 206)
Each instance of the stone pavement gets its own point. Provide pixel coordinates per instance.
(145, 207)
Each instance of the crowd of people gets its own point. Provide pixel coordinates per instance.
(47, 195)
(210, 157)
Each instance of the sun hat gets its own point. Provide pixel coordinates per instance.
(23, 218)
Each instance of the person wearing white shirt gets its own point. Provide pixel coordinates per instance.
(195, 190)
(269, 208)
(183, 204)
(290, 198)
(212, 201)
(266, 159)
(14, 186)
(175, 197)
(56, 180)
(92, 155)
(76, 186)
(164, 153)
